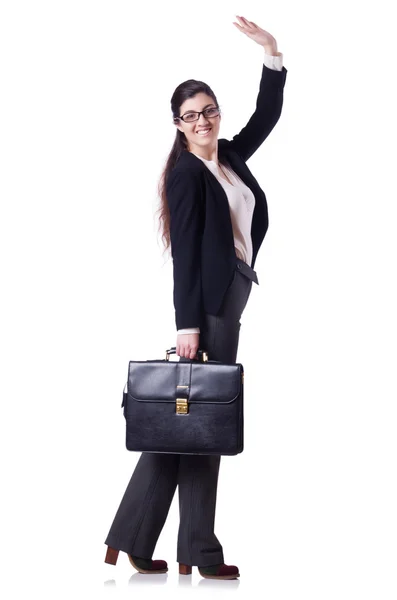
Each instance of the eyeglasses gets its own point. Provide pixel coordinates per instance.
(208, 113)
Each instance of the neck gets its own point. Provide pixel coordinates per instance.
(207, 153)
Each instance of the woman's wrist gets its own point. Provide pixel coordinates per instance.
(272, 50)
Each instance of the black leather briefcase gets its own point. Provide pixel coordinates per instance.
(184, 407)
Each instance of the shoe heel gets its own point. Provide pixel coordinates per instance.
(111, 556)
(185, 569)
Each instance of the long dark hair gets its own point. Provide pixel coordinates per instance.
(185, 90)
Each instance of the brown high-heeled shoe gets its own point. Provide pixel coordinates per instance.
(220, 571)
(143, 565)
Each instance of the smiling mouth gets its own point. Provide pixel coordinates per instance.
(204, 132)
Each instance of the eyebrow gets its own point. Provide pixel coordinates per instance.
(204, 107)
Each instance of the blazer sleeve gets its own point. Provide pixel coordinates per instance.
(267, 112)
(186, 208)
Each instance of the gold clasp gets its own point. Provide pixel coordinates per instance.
(181, 406)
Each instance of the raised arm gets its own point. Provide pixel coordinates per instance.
(267, 112)
(270, 98)
(186, 228)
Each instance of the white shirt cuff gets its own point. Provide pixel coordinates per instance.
(189, 330)
(274, 62)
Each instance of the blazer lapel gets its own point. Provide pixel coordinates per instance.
(219, 194)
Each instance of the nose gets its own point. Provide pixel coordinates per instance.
(202, 120)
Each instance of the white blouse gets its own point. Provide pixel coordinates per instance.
(241, 205)
(240, 197)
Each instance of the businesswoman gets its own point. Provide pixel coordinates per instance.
(214, 217)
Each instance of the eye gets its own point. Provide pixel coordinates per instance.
(211, 112)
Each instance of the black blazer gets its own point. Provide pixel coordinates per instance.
(202, 243)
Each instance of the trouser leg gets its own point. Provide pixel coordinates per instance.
(145, 505)
(198, 474)
(197, 486)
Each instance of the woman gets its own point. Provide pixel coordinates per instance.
(215, 218)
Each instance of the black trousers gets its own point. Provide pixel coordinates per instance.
(146, 502)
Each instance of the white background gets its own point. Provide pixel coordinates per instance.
(309, 508)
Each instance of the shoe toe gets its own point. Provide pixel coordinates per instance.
(227, 570)
(158, 564)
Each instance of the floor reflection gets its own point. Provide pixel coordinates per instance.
(183, 581)
(146, 578)
(217, 584)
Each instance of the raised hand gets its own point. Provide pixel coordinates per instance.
(253, 31)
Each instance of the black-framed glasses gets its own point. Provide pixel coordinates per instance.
(192, 115)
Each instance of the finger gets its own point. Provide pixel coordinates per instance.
(245, 31)
(239, 27)
(245, 21)
(241, 21)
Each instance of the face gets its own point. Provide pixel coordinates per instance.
(191, 130)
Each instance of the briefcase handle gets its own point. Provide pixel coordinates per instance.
(203, 354)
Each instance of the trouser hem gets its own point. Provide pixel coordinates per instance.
(214, 559)
(115, 542)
